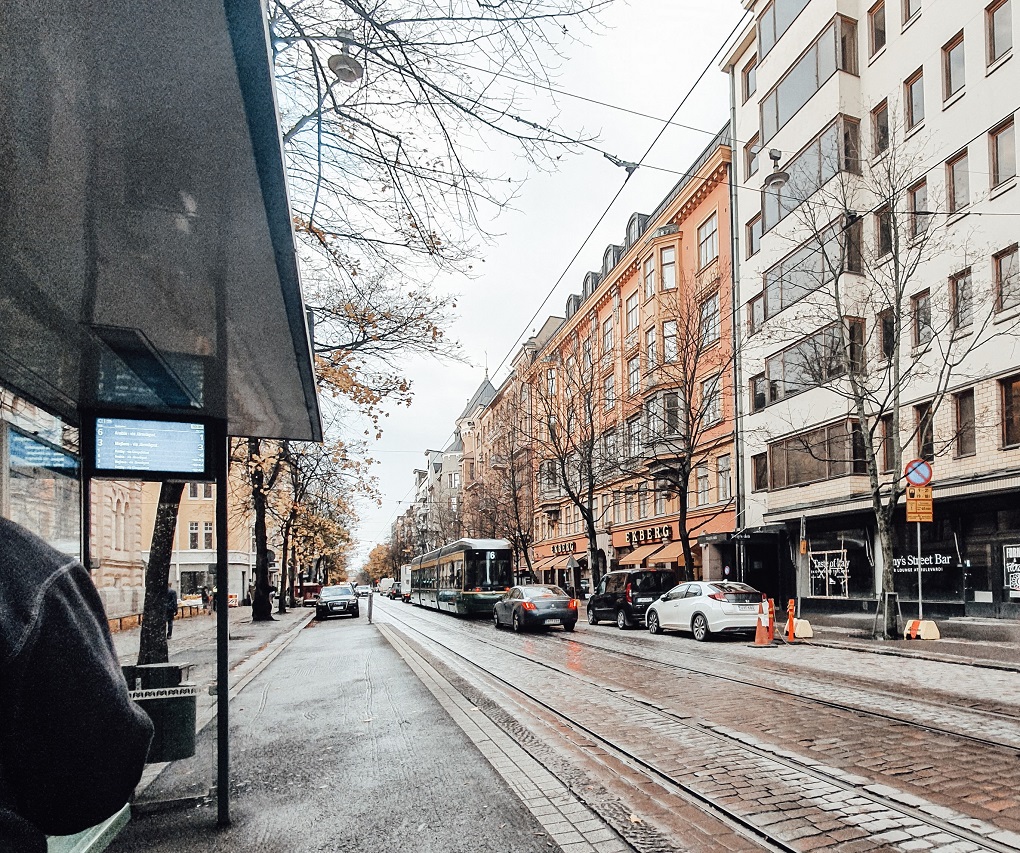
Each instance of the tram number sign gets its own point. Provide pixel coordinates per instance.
(919, 503)
(918, 472)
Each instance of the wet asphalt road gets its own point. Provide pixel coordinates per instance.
(337, 746)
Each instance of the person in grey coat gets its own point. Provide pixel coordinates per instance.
(72, 742)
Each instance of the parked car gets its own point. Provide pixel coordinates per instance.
(393, 592)
(337, 601)
(535, 606)
(362, 590)
(623, 596)
(707, 607)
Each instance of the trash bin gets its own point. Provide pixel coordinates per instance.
(164, 693)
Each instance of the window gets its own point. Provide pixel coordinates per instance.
(965, 431)
(651, 356)
(760, 472)
(607, 335)
(708, 241)
(1000, 30)
(835, 149)
(917, 200)
(880, 128)
(749, 77)
(723, 491)
(759, 393)
(1007, 280)
(920, 306)
(671, 413)
(609, 391)
(751, 152)
(207, 531)
(610, 449)
(1003, 149)
(884, 229)
(667, 262)
(953, 77)
(642, 500)
(550, 381)
(634, 375)
(887, 456)
(633, 230)
(649, 277)
(669, 342)
(661, 490)
(876, 27)
(702, 484)
(887, 333)
(710, 320)
(711, 400)
(961, 292)
(924, 419)
(910, 8)
(193, 535)
(816, 65)
(958, 182)
(754, 236)
(1011, 411)
(776, 20)
(454, 480)
(820, 454)
(633, 312)
(914, 99)
(634, 437)
(192, 490)
(585, 355)
(207, 490)
(813, 360)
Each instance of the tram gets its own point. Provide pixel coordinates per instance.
(465, 577)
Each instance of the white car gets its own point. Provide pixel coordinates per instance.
(705, 608)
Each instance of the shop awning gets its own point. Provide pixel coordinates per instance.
(638, 555)
(147, 257)
(672, 553)
(543, 564)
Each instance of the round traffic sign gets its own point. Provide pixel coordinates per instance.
(918, 472)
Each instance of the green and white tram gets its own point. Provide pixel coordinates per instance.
(465, 577)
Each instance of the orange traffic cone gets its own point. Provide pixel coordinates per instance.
(761, 632)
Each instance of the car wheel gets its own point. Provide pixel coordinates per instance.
(357, 613)
(518, 627)
(319, 615)
(699, 627)
(569, 626)
(622, 622)
(653, 623)
(592, 618)
(495, 617)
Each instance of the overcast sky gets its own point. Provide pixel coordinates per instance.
(648, 57)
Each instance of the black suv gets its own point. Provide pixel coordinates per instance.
(624, 596)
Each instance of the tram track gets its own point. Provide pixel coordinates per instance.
(901, 812)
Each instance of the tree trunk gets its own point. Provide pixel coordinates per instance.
(152, 646)
(889, 603)
(262, 602)
(284, 591)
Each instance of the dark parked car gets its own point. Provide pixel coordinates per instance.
(337, 601)
(394, 592)
(535, 606)
(624, 596)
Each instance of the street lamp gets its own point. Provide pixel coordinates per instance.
(778, 179)
(344, 66)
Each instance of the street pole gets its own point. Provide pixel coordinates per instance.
(920, 614)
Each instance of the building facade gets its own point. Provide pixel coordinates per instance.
(877, 298)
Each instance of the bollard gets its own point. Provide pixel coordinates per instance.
(791, 608)
(772, 620)
(371, 595)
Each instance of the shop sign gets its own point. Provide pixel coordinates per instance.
(929, 562)
(564, 548)
(1011, 560)
(663, 532)
(830, 573)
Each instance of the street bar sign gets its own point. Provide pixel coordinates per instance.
(919, 503)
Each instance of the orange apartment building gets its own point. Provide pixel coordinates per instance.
(611, 393)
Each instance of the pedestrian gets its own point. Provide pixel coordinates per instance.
(204, 593)
(72, 743)
(213, 598)
(171, 609)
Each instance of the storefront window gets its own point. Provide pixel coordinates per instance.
(830, 574)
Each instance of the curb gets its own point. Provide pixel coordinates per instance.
(976, 662)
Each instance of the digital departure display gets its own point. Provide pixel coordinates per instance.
(150, 446)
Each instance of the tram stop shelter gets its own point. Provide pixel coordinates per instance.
(148, 260)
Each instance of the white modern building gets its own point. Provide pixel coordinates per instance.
(877, 274)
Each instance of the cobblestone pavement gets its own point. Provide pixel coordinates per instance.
(722, 723)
